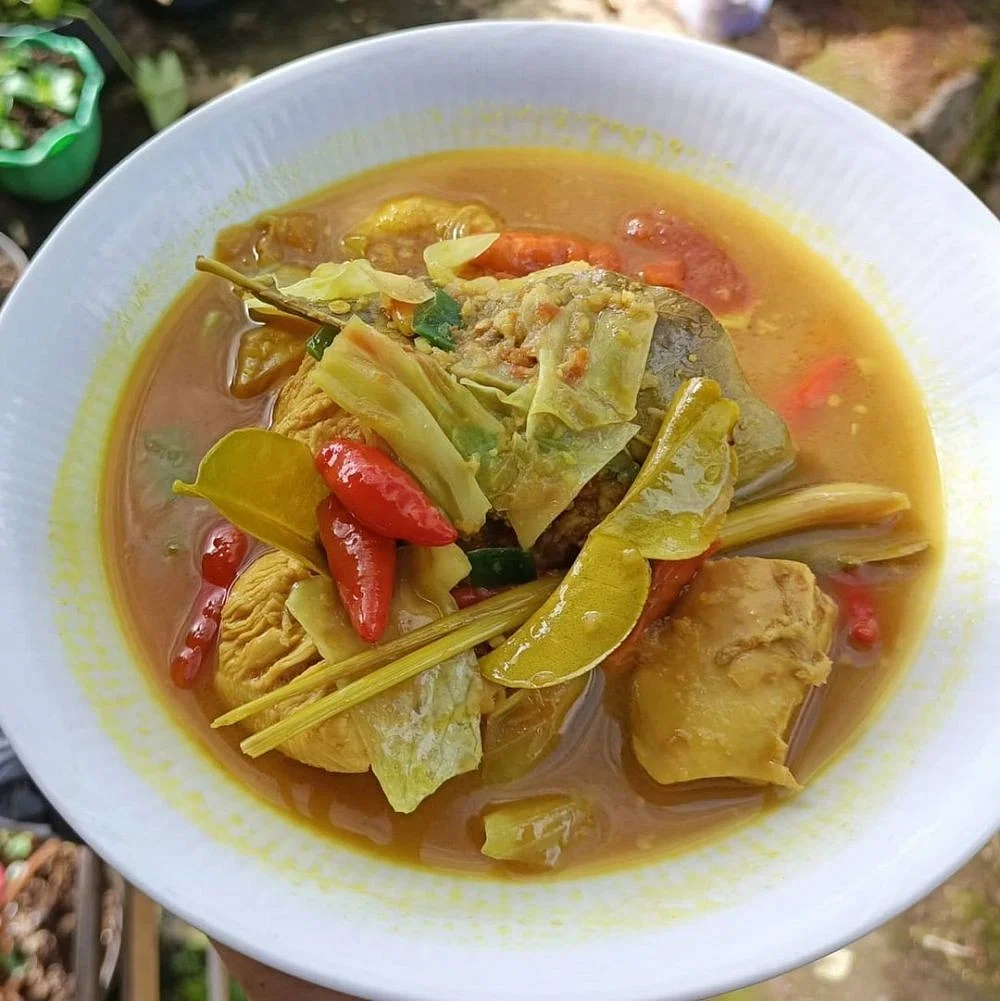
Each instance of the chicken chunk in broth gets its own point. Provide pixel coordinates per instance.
(515, 513)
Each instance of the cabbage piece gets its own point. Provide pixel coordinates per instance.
(266, 485)
(427, 730)
(539, 478)
(536, 832)
(525, 728)
(352, 280)
(591, 358)
(677, 504)
(446, 258)
(372, 377)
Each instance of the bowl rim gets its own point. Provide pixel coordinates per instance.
(941, 861)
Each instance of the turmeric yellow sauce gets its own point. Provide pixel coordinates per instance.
(870, 428)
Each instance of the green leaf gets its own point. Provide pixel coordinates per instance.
(162, 87)
(588, 616)
(13, 962)
(500, 566)
(57, 87)
(525, 729)
(266, 485)
(12, 136)
(351, 280)
(536, 832)
(45, 10)
(677, 504)
(320, 341)
(435, 319)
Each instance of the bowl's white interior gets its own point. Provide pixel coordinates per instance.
(915, 796)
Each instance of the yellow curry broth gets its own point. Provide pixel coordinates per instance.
(872, 428)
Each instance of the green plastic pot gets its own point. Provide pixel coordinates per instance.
(63, 159)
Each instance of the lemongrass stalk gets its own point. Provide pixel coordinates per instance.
(810, 507)
(462, 639)
(847, 549)
(526, 598)
(268, 293)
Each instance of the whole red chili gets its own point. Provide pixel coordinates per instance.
(363, 566)
(857, 609)
(204, 618)
(380, 495)
(220, 563)
(226, 551)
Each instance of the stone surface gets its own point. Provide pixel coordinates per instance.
(894, 73)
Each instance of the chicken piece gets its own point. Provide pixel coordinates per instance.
(261, 647)
(304, 412)
(721, 679)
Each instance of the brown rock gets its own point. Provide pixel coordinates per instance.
(894, 73)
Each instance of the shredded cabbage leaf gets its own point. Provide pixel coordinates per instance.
(591, 362)
(536, 832)
(525, 728)
(446, 258)
(539, 478)
(352, 280)
(427, 730)
(382, 384)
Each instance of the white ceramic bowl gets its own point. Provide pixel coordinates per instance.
(912, 799)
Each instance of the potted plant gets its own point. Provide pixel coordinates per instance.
(159, 81)
(50, 126)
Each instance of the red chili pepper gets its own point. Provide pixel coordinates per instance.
(466, 595)
(205, 615)
(518, 254)
(857, 609)
(816, 386)
(670, 577)
(225, 554)
(220, 563)
(380, 495)
(363, 565)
